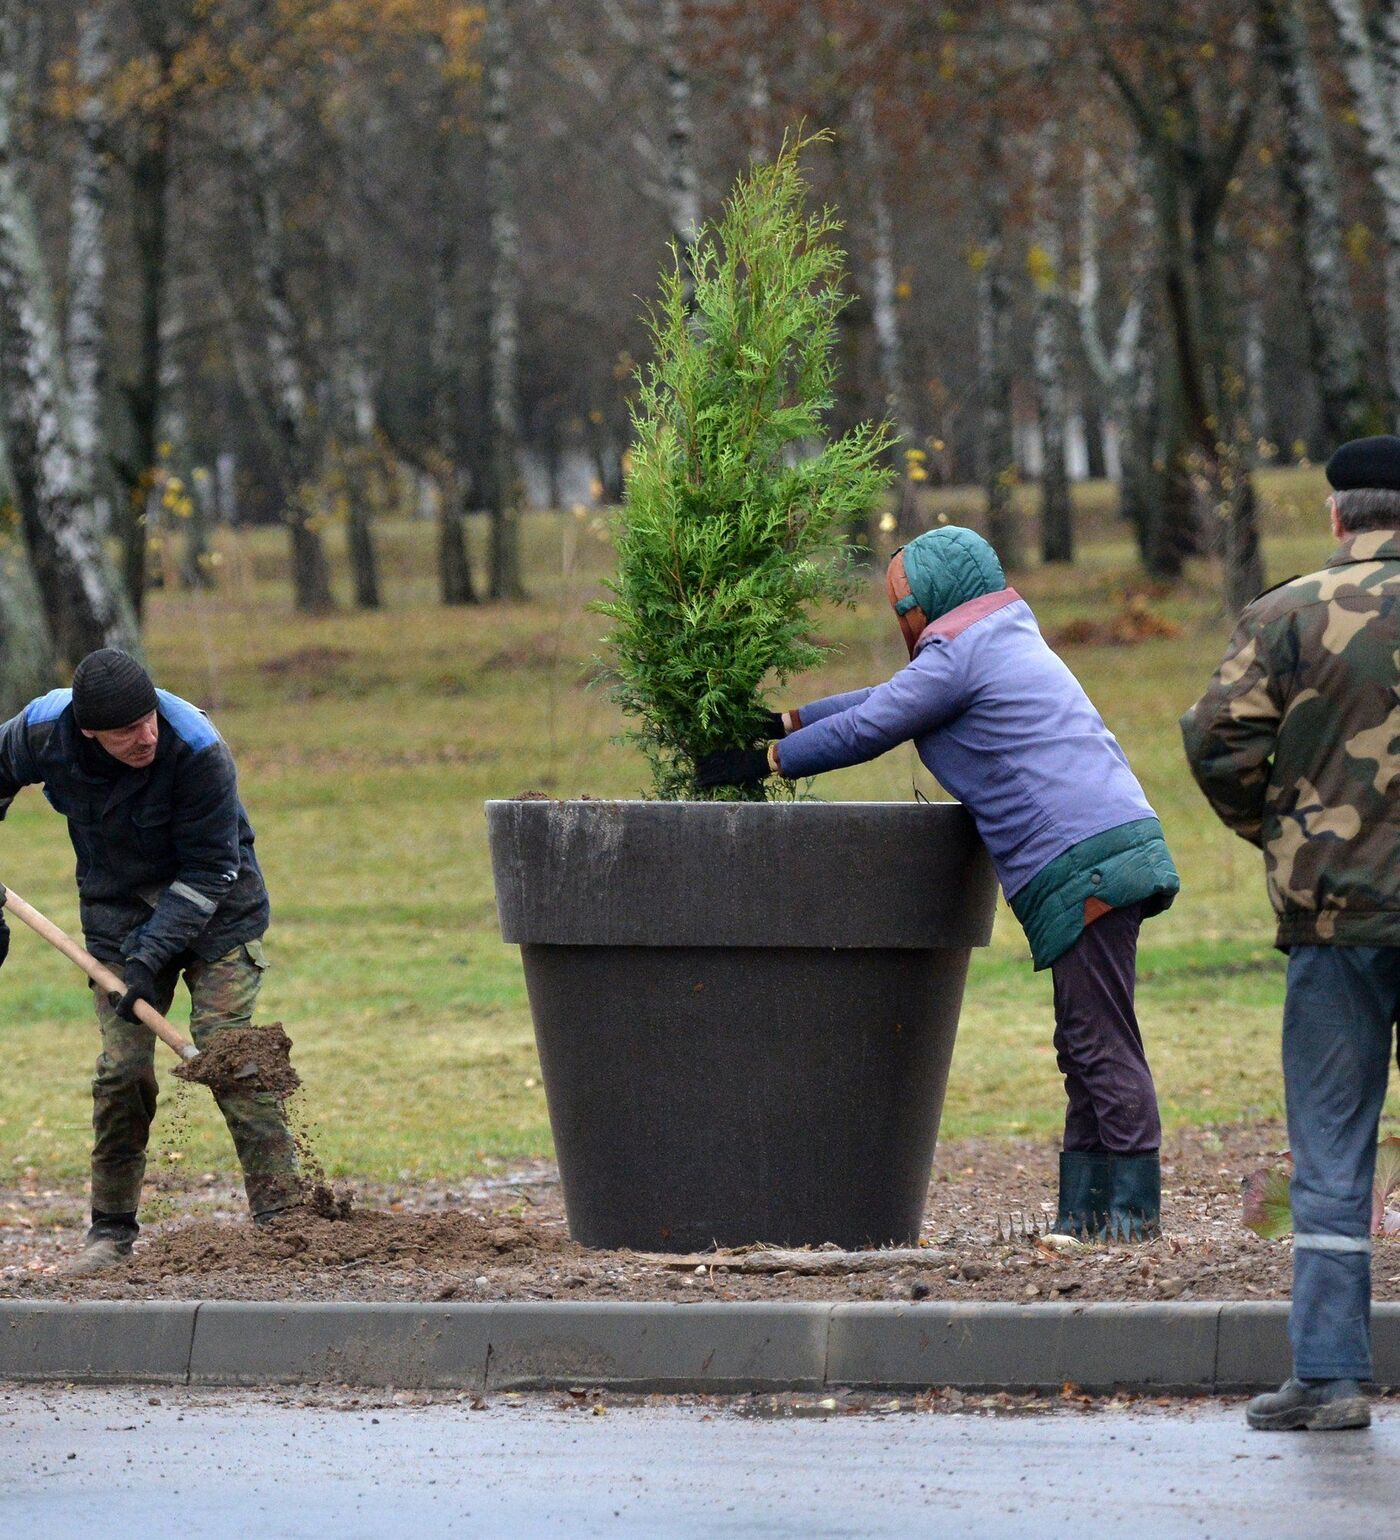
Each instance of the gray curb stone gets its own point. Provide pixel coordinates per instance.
(414, 1346)
(96, 1340)
(720, 1348)
(1029, 1347)
(748, 1346)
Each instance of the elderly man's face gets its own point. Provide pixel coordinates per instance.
(134, 745)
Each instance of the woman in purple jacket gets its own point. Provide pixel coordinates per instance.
(1004, 726)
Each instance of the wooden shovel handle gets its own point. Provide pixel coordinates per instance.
(102, 976)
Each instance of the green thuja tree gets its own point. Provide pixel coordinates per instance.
(731, 530)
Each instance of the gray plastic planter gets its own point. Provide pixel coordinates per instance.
(745, 1012)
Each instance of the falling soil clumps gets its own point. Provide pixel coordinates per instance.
(245, 1059)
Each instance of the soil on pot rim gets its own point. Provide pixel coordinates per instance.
(504, 1237)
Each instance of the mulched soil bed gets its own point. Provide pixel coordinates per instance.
(504, 1237)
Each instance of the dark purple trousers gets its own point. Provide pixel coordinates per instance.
(1112, 1100)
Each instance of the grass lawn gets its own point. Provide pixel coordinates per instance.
(366, 744)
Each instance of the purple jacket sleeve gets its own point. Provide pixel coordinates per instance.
(829, 705)
(917, 700)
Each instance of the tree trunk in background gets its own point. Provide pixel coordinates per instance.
(996, 440)
(86, 330)
(358, 416)
(1130, 371)
(1369, 64)
(682, 181)
(77, 583)
(884, 304)
(1336, 348)
(310, 571)
(1048, 353)
(150, 211)
(499, 64)
(1256, 347)
(27, 663)
(455, 582)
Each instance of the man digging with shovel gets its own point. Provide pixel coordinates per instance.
(168, 884)
(1007, 729)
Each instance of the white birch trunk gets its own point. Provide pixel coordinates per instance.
(27, 663)
(290, 397)
(78, 584)
(500, 69)
(682, 181)
(1370, 74)
(1048, 353)
(86, 332)
(884, 298)
(1310, 178)
(996, 438)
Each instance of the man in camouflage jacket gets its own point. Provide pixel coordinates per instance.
(168, 884)
(1296, 743)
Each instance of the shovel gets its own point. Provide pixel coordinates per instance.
(103, 977)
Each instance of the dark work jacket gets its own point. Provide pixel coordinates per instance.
(165, 854)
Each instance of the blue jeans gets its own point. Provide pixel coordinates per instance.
(1338, 1026)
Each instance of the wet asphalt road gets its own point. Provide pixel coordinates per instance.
(205, 1465)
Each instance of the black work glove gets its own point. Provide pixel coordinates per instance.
(732, 767)
(4, 935)
(776, 728)
(140, 985)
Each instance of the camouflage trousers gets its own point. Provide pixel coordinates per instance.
(222, 995)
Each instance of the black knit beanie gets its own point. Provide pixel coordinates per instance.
(111, 689)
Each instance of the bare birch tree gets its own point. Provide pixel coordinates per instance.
(1370, 59)
(86, 329)
(500, 72)
(82, 599)
(996, 442)
(884, 298)
(1049, 348)
(1336, 348)
(291, 404)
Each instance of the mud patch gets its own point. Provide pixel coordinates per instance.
(246, 1060)
(305, 1241)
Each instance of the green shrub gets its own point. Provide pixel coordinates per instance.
(732, 526)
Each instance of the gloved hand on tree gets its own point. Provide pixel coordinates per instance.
(733, 767)
(140, 985)
(776, 724)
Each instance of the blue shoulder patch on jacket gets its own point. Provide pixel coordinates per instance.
(189, 723)
(47, 708)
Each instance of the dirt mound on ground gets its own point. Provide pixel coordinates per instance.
(245, 1059)
(305, 1241)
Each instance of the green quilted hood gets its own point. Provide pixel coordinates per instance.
(948, 566)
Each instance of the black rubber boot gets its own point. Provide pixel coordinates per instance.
(1084, 1194)
(1310, 1406)
(1135, 1197)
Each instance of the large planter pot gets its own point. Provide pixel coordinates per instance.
(745, 1012)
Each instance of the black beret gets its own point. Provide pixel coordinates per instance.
(1366, 462)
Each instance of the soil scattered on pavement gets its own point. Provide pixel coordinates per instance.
(245, 1059)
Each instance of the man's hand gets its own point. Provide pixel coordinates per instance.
(777, 727)
(4, 936)
(732, 767)
(140, 985)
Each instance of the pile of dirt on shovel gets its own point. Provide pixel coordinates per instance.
(304, 1241)
(246, 1059)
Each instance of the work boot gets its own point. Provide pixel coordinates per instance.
(108, 1244)
(1084, 1194)
(1134, 1197)
(1314, 1406)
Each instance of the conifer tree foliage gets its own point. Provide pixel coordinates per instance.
(731, 528)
